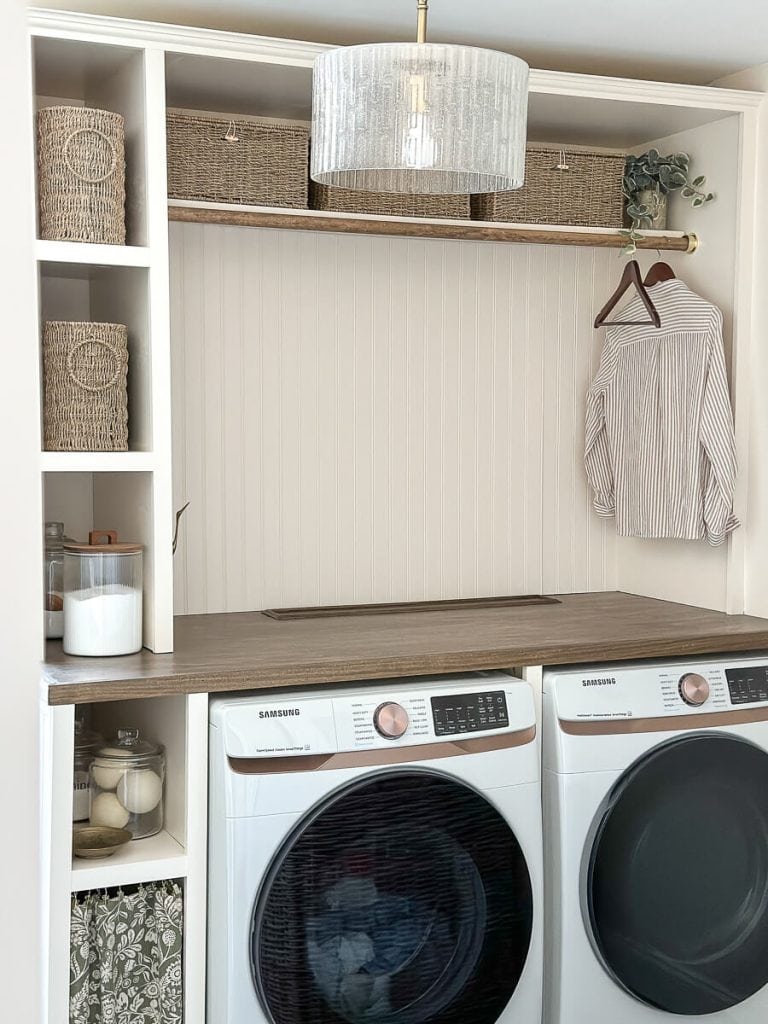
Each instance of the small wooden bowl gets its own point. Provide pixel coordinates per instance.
(93, 841)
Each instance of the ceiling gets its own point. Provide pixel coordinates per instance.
(668, 40)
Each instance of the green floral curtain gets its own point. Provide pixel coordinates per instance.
(125, 957)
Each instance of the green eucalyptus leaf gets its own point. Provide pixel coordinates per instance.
(698, 182)
(677, 179)
(709, 197)
(687, 192)
(697, 201)
(665, 174)
(652, 156)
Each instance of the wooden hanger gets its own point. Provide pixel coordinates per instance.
(659, 272)
(631, 276)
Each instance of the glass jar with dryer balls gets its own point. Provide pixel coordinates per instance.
(102, 596)
(127, 776)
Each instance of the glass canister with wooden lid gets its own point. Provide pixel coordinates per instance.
(102, 596)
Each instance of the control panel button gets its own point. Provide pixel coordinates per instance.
(390, 720)
(694, 689)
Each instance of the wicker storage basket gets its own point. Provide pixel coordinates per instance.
(587, 194)
(387, 204)
(85, 397)
(81, 175)
(240, 160)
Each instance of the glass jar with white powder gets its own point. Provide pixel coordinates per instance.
(102, 596)
(127, 776)
(86, 744)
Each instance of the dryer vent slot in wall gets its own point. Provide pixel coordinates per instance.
(468, 604)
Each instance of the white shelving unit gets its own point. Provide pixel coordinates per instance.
(179, 851)
(136, 68)
(127, 491)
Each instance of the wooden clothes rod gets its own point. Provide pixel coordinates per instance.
(474, 231)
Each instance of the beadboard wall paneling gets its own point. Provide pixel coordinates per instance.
(368, 419)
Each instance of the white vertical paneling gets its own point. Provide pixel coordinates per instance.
(363, 419)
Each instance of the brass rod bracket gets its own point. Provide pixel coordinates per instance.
(693, 242)
(421, 20)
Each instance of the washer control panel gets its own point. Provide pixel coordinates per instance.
(659, 689)
(748, 684)
(469, 712)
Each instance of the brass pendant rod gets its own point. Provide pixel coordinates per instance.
(421, 20)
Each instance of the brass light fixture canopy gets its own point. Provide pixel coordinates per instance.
(419, 117)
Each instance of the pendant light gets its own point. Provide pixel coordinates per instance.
(419, 117)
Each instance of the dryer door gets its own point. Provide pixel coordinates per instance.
(676, 879)
(404, 897)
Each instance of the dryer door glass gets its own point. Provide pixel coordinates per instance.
(677, 878)
(403, 898)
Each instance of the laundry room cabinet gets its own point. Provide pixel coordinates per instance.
(354, 416)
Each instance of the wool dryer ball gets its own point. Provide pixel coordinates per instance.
(140, 791)
(106, 775)
(106, 809)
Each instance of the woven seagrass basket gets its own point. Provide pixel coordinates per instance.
(387, 204)
(237, 160)
(563, 185)
(85, 394)
(81, 175)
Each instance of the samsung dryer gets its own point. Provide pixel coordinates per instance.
(375, 854)
(656, 829)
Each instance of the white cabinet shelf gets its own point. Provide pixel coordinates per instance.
(97, 462)
(143, 860)
(91, 254)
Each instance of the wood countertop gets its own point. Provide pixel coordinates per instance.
(243, 651)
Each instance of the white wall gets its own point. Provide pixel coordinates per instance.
(691, 571)
(756, 556)
(20, 526)
(363, 419)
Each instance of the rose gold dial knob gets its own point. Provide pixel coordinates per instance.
(390, 720)
(694, 689)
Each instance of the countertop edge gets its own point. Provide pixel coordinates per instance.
(338, 671)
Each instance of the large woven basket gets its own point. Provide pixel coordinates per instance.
(237, 160)
(387, 204)
(570, 185)
(85, 396)
(81, 175)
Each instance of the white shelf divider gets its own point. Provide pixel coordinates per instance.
(142, 860)
(91, 254)
(97, 462)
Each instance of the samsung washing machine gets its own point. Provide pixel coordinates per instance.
(656, 827)
(375, 855)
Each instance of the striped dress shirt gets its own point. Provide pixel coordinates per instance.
(660, 447)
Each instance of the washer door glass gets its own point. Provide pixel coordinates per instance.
(677, 878)
(403, 898)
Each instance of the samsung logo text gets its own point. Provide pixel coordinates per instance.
(280, 713)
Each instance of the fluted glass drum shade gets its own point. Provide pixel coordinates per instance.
(419, 118)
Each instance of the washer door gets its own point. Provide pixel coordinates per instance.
(403, 898)
(677, 877)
